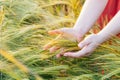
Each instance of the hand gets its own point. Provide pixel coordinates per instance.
(88, 45)
(69, 33)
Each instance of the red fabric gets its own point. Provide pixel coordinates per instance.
(118, 6)
(112, 7)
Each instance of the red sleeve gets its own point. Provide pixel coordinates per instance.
(118, 8)
(109, 12)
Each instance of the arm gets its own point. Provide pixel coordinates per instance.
(91, 10)
(90, 43)
(112, 28)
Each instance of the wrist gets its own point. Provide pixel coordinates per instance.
(79, 34)
(103, 36)
(79, 31)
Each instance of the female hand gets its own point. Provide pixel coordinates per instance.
(88, 45)
(68, 33)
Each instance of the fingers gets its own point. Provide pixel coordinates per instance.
(68, 31)
(71, 54)
(84, 43)
(55, 32)
(87, 40)
(50, 44)
(87, 50)
(53, 49)
(47, 46)
(88, 45)
(61, 53)
(58, 31)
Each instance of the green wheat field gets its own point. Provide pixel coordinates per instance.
(24, 26)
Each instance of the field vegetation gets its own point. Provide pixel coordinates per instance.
(24, 26)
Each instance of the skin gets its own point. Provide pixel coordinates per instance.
(90, 43)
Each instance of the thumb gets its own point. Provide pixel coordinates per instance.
(60, 31)
(84, 43)
(57, 31)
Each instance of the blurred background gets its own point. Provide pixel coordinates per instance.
(24, 26)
